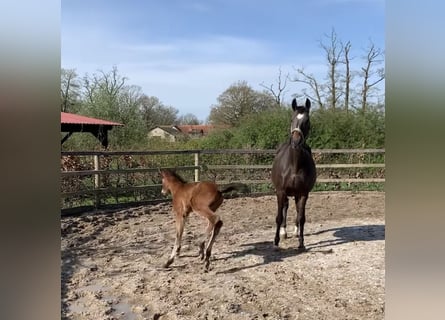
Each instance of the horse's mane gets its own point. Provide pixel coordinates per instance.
(175, 175)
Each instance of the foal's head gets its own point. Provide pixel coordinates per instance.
(169, 178)
(300, 124)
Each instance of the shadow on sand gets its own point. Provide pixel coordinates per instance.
(343, 235)
(269, 253)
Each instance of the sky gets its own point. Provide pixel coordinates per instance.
(187, 53)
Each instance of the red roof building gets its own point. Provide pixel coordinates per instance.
(71, 123)
(173, 132)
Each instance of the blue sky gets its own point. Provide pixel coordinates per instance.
(187, 53)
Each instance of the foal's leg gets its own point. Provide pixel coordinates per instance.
(177, 247)
(300, 203)
(281, 200)
(215, 232)
(206, 237)
(210, 223)
(213, 228)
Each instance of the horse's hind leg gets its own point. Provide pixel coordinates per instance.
(300, 203)
(202, 243)
(211, 222)
(212, 230)
(177, 246)
(208, 250)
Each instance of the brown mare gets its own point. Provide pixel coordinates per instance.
(203, 198)
(293, 173)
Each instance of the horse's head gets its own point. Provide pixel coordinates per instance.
(166, 177)
(170, 181)
(300, 124)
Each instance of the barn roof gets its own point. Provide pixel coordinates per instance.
(71, 118)
(203, 128)
(71, 123)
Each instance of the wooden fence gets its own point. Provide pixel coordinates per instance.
(96, 179)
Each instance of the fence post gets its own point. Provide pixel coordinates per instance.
(96, 180)
(196, 169)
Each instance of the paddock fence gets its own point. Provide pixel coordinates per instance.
(92, 180)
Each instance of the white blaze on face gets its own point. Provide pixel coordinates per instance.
(163, 190)
(299, 117)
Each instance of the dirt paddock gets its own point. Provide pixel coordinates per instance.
(111, 263)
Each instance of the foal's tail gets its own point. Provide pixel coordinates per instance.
(243, 188)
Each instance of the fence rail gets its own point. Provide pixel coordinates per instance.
(92, 180)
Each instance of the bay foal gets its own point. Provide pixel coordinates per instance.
(203, 198)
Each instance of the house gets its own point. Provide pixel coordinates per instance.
(173, 133)
(170, 133)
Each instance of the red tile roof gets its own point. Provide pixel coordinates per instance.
(205, 129)
(70, 118)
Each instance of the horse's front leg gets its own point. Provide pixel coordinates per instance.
(177, 247)
(300, 203)
(283, 203)
(283, 232)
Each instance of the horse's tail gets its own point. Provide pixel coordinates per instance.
(244, 188)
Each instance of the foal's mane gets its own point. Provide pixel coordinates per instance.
(175, 175)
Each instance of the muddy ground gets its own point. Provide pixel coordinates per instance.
(111, 263)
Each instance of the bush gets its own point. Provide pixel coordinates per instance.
(340, 129)
(265, 130)
(330, 129)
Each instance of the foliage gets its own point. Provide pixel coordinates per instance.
(265, 130)
(261, 123)
(238, 102)
(106, 95)
(340, 129)
(155, 113)
(329, 129)
(220, 139)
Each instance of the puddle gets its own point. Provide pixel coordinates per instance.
(124, 310)
(84, 303)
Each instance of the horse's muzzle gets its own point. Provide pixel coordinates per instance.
(297, 138)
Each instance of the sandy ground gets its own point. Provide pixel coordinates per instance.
(111, 263)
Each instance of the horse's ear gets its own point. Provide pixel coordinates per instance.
(294, 104)
(308, 104)
(160, 172)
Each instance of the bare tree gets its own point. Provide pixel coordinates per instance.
(188, 118)
(107, 83)
(278, 93)
(69, 89)
(348, 75)
(334, 51)
(314, 85)
(155, 113)
(371, 77)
